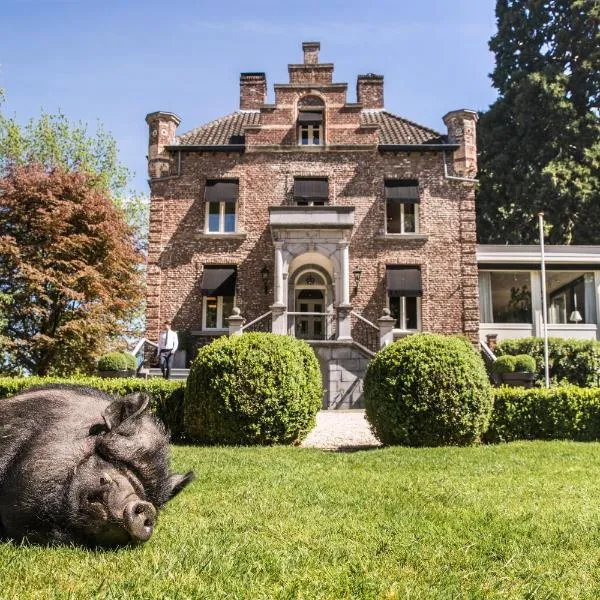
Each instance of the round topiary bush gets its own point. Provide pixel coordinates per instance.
(117, 361)
(524, 363)
(505, 364)
(428, 390)
(252, 389)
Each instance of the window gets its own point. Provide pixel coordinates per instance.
(310, 127)
(311, 192)
(401, 206)
(221, 206)
(404, 296)
(568, 302)
(218, 296)
(505, 296)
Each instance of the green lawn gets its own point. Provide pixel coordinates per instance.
(511, 521)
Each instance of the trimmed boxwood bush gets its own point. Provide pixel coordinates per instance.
(255, 388)
(504, 364)
(166, 397)
(569, 413)
(574, 362)
(524, 363)
(428, 390)
(117, 361)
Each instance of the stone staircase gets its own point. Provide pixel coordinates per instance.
(176, 374)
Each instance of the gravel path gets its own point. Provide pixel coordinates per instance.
(341, 429)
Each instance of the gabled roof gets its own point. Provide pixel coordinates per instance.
(229, 130)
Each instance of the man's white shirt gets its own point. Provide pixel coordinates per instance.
(167, 340)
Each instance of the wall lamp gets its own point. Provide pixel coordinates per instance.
(264, 272)
(357, 272)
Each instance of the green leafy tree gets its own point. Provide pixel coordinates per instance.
(539, 143)
(69, 270)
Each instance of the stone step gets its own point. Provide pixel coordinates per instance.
(179, 374)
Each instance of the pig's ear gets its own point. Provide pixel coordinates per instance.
(124, 408)
(177, 482)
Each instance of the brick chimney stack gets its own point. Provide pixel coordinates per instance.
(161, 129)
(369, 90)
(253, 91)
(462, 130)
(311, 52)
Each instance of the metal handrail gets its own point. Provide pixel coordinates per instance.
(256, 320)
(352, 312)
(139, 345)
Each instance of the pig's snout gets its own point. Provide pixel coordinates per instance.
(139, 518)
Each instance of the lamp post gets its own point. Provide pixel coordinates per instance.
(264, 272)
(544, 302)
(357, 272)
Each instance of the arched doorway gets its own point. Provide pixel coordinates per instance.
(311, 320)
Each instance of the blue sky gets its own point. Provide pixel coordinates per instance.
(114, 61)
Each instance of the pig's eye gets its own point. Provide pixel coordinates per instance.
(98, 429)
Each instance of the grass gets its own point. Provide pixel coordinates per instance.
(513, 521)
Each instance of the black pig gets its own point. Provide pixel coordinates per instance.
(77, 466)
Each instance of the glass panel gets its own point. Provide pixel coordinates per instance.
(213, 216)
(301, 202)
(303, 307)
(318, 308)
(411, 313)
(316, 135)
(211, 312)
(511, 297)
(566, 297)
(318, 326)
(227, 310)
(393, 217)
(395, 311)
(410, 220)
(229, 226)
(304, 135)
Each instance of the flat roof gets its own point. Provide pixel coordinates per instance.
(531, 254)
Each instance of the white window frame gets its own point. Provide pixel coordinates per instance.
(220, 319)
(402, 224)
(402, 318)
(221, 231)
(311, 135)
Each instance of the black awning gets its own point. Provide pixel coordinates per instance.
(218, 281)
(311, 189)
(403, 190)
(221, 191)
(403, 281)
(310, 117)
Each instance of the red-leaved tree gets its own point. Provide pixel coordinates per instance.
(69, 264)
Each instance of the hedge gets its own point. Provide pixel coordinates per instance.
(253, 389)
(572, 362)
(166, 397)
(117, 361)
(428, 390)
(569, 412)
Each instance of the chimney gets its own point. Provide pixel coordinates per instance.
(253, 91)
(161, 129)
(462, 130)
(369, 90)
(311, 52)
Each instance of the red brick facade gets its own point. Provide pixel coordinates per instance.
(264, 156)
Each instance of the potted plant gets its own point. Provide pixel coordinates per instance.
(517, 371)
(117, 364)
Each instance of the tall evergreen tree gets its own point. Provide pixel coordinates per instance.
(539, 143)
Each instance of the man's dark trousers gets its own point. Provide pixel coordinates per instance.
(166, 360)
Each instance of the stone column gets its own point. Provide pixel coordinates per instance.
(236, 321)
(386, 328)
(278, 275)
(279, 319)
(344, 329)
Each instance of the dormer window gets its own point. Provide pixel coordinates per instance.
(311, 192)
(310, 127)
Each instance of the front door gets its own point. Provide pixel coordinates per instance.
(310, 326)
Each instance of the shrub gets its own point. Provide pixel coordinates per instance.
(569, 412)
(166, 397)
(428, 390)
(256, 388)
(524, 363)
(117, 361)
(575, 362)
(504, 364)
